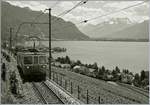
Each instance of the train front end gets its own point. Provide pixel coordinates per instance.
(34, 68)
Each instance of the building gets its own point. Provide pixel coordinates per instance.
(66, 66)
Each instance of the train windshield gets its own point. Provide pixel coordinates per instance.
(42, 59)
(28, 60)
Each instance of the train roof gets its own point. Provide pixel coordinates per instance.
(31, 53)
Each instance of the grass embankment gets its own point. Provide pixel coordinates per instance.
(108, 93)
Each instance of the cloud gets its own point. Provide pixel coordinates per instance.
(135, 14)
(66, 5)
(91, 9)
(121, 4)
(71, 16)
(34, 5)
(86, 9)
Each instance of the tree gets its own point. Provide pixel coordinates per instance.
(101, 72)
(67, 60)
(115, 74)
(90, 66)
(73, 64)
(78, 62)
(136, 80)
(143, 75)
(95, 66)
(131, 73)
(126, 71)
(103, 69)
(145, 82)
(117, 69)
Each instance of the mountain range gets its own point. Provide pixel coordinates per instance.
(13, 16)
(114, 29)
(118, 29)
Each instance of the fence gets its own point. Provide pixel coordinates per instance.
(75, 89)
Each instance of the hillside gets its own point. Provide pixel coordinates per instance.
(12, 16)
(105, 28)
(138, 31)
(109, 93)
(118, 29)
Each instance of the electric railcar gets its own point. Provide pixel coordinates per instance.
(32, 66)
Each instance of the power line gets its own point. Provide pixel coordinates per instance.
(63, 13)
(67, 11)
(39, 15)
(40, 31)
(85, 21)
(112, 13)
(78, 4)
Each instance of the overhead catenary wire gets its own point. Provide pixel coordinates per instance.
(45, 10)
(67, 11)
(35, 19)
(63, 13)
(78, 4)
(85, 21)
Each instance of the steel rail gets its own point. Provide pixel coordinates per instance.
(39, 94)
(51, 91)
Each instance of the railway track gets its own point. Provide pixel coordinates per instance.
(40, 95)
(46, 95)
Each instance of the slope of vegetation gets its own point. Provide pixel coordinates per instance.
(109, 94)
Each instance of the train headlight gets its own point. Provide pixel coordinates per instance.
(28, 67)
(44, 66)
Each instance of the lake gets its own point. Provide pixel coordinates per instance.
(126, 55)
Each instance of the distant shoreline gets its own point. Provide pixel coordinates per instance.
(105, 40)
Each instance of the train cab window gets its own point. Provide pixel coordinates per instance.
(35, 59)
(42, 59)
(28, 60)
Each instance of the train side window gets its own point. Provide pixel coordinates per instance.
(28, 60)
(35, 59)
(42, 59)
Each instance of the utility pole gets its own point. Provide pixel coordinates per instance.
(49, 73)
(10, 39)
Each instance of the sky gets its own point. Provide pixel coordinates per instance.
(90, 10)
